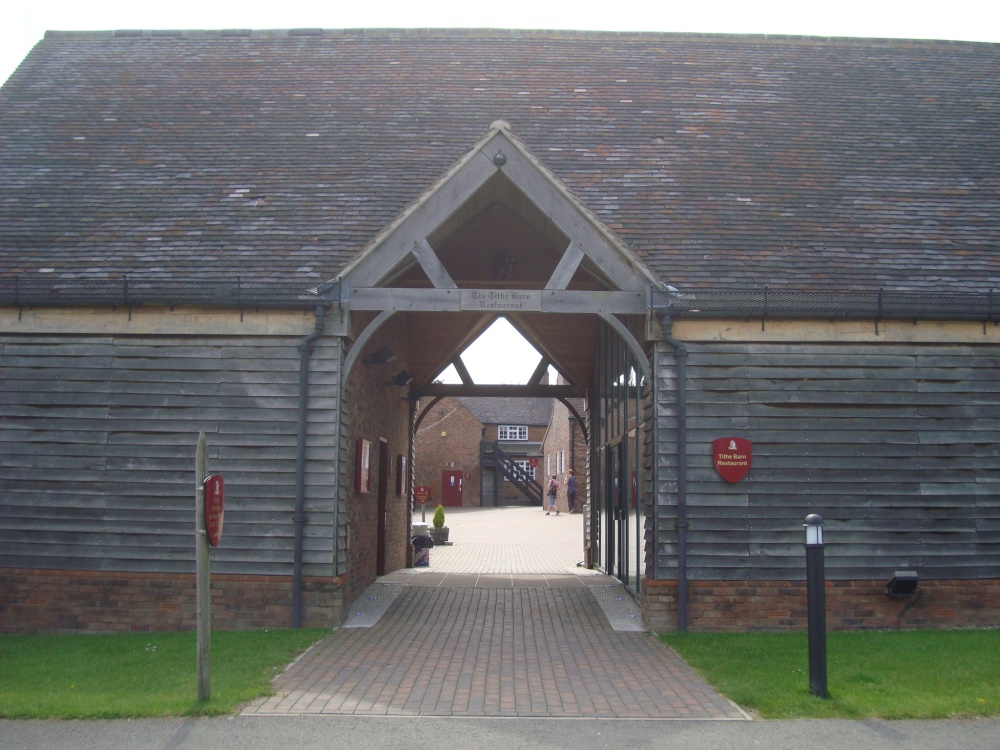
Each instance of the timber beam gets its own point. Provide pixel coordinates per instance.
(497, 301)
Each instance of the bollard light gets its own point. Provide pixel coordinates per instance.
(814, 529)
(816, 604)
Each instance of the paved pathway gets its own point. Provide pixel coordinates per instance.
(502, 623)
(515, 540)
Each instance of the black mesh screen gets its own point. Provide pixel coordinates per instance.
(44, 290)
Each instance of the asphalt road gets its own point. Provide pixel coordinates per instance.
(308, 732)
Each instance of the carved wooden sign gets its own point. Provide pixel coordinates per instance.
(732, 456)
(502, 299)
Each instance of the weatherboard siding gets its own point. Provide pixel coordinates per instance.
(97, 442)
(896, 446)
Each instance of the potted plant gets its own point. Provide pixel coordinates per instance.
(439, 532)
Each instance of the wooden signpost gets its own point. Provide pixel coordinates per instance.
(422, 494)
(208, 531)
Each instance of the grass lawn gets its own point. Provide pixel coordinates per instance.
(139, 674)
(893, 675)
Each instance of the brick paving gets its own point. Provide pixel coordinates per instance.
(493, 628)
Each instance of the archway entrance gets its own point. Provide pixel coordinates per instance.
(500, 236)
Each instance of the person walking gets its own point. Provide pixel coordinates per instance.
(551, 492)
(571, 490)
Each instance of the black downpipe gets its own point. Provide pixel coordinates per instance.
(682, 514)
(299, 518)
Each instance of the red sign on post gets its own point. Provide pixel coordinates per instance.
(732, 456)
(422, 494)
(214, 490)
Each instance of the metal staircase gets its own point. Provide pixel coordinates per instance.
(495, 456)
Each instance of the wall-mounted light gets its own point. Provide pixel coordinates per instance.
(401, 378)
(382, 356)
(903, 584)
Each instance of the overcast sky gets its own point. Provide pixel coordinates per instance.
(22, 25)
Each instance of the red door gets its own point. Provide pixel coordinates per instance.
(451, 488)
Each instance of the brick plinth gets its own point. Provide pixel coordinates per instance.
(737, 606)
(67, 600)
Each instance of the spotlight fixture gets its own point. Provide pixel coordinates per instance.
(401, 378)
(903, 584)
(382, 356)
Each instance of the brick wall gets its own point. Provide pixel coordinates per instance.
(457, 448)
(564, 434)
(101, 601)
(378, 411)
(737, 606)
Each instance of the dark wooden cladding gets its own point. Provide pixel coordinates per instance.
(895, 445)
(98, 442)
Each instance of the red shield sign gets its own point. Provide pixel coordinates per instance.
(732, 456)
(422, 494)
(214, 505)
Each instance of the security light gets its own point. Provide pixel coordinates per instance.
(903, 584)
(382, 356)
(401, 378)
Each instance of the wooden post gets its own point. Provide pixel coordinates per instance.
(203, 592)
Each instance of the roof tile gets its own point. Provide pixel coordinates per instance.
(724, 161)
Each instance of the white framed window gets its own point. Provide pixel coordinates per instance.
(512, 432)
(525, 468)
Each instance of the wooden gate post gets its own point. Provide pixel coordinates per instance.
(203, 575)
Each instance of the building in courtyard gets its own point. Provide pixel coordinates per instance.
(481, 451)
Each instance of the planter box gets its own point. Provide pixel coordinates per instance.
(440, 536)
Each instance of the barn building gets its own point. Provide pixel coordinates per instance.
(767, 265)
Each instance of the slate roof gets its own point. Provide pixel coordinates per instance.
(724, 162)
(514, 411)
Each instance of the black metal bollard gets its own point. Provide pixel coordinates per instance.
(816, 604)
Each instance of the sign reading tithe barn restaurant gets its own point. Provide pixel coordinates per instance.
(732, 456)
(502, 299)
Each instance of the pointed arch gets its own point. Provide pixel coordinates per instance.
(500, 163)
(359, 345)
(631, 342)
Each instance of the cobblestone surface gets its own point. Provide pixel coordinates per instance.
(502, 623)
